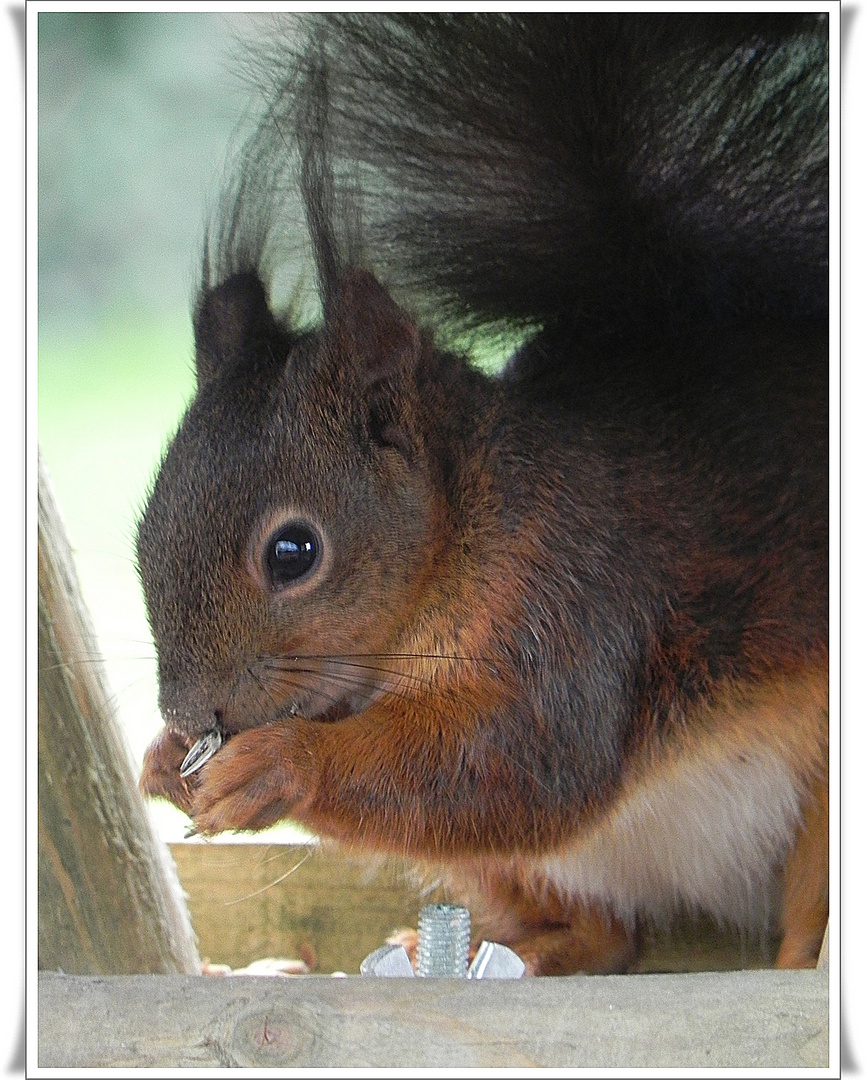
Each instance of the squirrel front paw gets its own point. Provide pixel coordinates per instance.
(248, 785)
(161, 773)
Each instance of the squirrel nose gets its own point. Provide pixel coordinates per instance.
(189, 712)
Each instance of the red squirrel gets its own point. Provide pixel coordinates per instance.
(560, 633)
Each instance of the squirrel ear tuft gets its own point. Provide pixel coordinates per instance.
(382, 338)
(236, 331)
(383, 343)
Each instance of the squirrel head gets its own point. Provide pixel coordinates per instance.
(295, 516)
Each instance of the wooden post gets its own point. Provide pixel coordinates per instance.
(109, 898)
(741, 1020)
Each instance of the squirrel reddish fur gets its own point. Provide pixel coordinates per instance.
(560, 633)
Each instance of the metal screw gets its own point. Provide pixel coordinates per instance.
(443, 949)
(443, 941)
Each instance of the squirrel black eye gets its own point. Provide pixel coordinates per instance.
(289, 554)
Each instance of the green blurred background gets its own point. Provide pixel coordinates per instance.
(135, 113)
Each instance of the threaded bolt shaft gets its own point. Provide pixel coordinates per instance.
(443, 940)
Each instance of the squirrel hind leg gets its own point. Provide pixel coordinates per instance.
(593, 943)
(805, 885)
(552, 935)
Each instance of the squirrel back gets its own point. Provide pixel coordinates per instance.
(561, 632)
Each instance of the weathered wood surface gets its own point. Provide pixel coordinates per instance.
(758, 1019)
(249, 901)
(109, 900)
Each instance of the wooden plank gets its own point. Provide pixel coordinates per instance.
(761, 1019)
(249, 901)
(97, 854)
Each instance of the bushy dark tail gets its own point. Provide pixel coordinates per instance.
(628, 170)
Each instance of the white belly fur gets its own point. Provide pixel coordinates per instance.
(708, 831)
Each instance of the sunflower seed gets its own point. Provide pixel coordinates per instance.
(201, 751)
